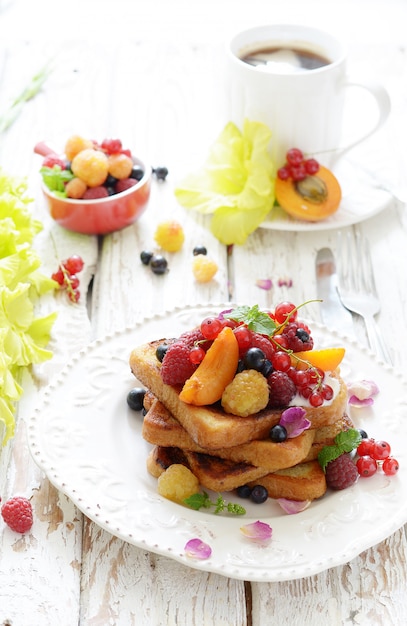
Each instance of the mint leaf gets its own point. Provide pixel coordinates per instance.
(256, 320)
(202, 500)
(55, 178)
(344, 442)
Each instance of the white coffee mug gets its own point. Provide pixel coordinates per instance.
(302, 107)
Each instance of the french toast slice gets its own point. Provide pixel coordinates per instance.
(210, 426)
(212, 472)
(304, 481)
(162, 429)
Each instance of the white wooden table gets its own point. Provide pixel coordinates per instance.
(162, 98)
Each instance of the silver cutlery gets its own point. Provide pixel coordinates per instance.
(333, 313)
(357, 289)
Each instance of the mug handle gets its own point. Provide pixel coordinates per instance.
(382, 98)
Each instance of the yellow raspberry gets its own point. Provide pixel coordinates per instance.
(248, 393)
(203, 268)
(120, 165)
(75, 188)
(91, 166)
(170, 236)
(177, 483)
(76, 144)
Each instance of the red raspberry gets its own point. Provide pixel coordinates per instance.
(191, 337)
(17, 513)
(54, 159)
(341, 472)
(298, 336)
(176, 366)
(94, 193)
(260, 341)
(124, 184)
(282, 389)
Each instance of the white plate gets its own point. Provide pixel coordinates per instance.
(362, 198)
(89, 445)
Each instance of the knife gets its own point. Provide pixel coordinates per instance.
(333, 313)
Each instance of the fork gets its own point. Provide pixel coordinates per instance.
(357, 289)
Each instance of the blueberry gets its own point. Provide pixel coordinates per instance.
(267, 368)
(259, 494)
(160, 172)
(110, 181)
(135, 398)
(244, 491)
(137, 172)
(158, 264)
(146, 257)
(199, 250)
(278, 433)
(302, 334)
(363, 433)
(254, 359)
(161, 351)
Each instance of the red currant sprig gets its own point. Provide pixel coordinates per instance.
(374, 455)
(297, 166)
(66, 276)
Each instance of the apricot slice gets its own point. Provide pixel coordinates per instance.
(326, 359)
(214, 373)
(312, 199)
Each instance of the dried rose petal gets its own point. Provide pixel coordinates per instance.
(264, 283)
(362, 392)
(294, 421)
(285, 282)
(257, 531)
(197, 549)
(293, 506)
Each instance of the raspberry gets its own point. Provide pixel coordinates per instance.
(93, 193)
(17, 513)
(341, 472)
(176, 366)
(120, 166)
(124, 184)
(76, 144)
(191, 337)
(53, 159)
(169, 236)
(111, 145)
(247, 394)
(282, 389)
(262, 342)
(177, 483)
(91, 166)
(203, 268)
(298, 336)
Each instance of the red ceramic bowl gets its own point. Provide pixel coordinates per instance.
(105, 215)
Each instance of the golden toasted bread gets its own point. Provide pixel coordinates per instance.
(162, 429)
(305, 481)
(212, 472)
(209, 426)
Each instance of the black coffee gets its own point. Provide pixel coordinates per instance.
(287, 59)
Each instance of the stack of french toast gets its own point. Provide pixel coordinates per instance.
(226, 451)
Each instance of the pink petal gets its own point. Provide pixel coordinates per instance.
(294, 421)
(257, 531)
(285, 282)
(293, 506)
(363, 389)
(355, 401)
(197, 549)
(264, 283)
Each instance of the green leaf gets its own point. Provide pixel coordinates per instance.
(258, 321)
(55, 178)
(344, 442)
(198, 501)
(201, 500)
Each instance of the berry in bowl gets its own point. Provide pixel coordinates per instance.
(94, 188)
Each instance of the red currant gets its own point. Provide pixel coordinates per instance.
(298, 172)
(58, 277)
(390, 466)
(281, 361)
(281, 341)
(73, 281)
(327, 392)
(366, 466)
(74, 295)
(284, 173)
(311, 166)
(294, 156)
(211, 327)
(302, 378)
(196, 355)
(380, 450)
(316, 399)
(365, 447)
(74, 264)
(285, 310)
(244, 338)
